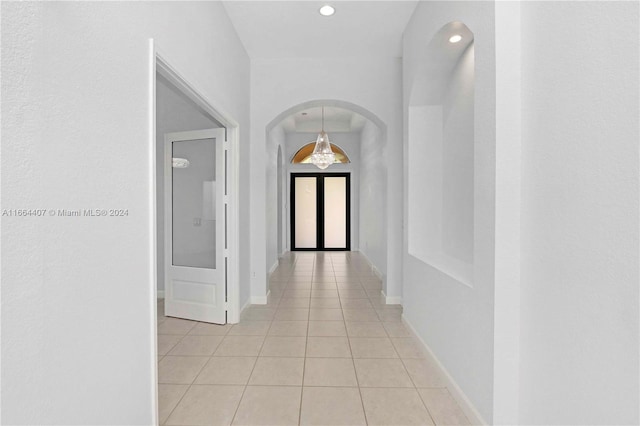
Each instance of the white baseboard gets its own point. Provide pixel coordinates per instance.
(375, 270)
(260, 300)
(272, 269)
(245, 306)
(463, 401)
(392, 300)
(160, 294)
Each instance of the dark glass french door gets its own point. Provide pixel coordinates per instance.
(320, 211)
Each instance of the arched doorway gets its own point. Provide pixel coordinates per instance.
(361, 137)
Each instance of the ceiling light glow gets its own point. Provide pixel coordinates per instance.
(327, 10)
(456, 38)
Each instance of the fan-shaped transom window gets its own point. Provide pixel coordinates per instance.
(303, 156)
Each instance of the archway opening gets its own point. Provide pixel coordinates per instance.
(354, 132)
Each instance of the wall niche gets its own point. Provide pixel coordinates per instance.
(441, 155)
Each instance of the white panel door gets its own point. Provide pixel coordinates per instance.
(195, 226)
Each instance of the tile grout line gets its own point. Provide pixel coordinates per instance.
(189, 385)
(176, 406)
(180, 400)
(424, 404)
(353, 362)
(306, 343)
(244, 390)
(210, 357)
(402, 361)
(278, 306)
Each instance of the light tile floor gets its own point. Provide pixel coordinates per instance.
(325, 350)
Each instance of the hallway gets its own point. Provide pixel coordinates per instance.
(324, 350)
(495, 196)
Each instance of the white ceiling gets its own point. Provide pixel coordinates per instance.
(336, 120)
(289, 29)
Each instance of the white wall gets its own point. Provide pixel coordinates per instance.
(78, 328)
(174, 113)
(454, 319)
(280, 197)
(280, 84)
(275, 138)
(373, 198)
(554, 339)
(457, 160)
(579, 335)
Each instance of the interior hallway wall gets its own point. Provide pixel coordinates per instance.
(580, 185)
(453, 318)
(78, 328)
(280, 83)
(276, 138)
(373, 197)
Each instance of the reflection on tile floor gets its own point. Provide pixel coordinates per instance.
(325, 350)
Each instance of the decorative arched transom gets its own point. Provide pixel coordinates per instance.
(303, 156)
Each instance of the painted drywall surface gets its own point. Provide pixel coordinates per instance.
(78, 291)
(456, 320)
(275, 139)
(424, 182)
(373, 196)
(457, 161)
(350, 143)
(579, 334)
(371, 83)
(508, 152)
(280, 196)
(174, 113)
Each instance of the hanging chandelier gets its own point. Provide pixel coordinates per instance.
(322, 155)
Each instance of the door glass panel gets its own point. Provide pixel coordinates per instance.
(194, 203)
(335, 212)
(305, 212)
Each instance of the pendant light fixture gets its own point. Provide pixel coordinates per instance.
(322, 155)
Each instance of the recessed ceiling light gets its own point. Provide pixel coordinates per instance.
(456, 38)
(327, 10)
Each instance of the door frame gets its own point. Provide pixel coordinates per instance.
(186, 86)
(158, 63)
(319, 209)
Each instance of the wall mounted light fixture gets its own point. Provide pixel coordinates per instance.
(179, 163)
